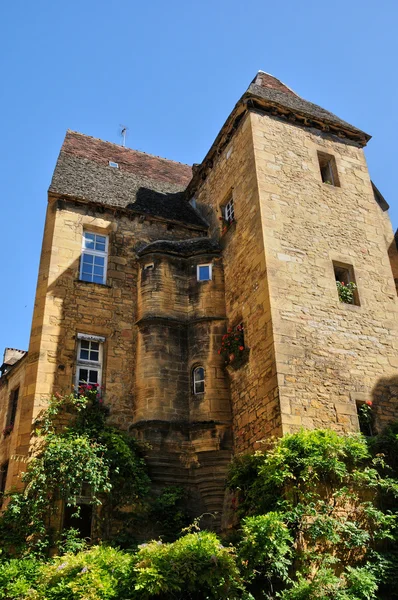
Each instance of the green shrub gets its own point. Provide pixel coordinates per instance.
(18, 577)
(100, 573)
(336, 500)
(195, 567)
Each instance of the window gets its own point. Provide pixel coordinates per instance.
(198, 380)
(12, 407)
(3, 480)
(89, 360)
(327, 166)
(94, 257)
(149, 267)
(204, 272)
(113, 164)
(228, 211)
(365, 418)
(346, 284)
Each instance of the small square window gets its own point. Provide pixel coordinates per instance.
(327, 166)
(204, 272)
(345, 282)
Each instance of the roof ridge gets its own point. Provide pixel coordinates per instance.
(280, 81)
(92, 137)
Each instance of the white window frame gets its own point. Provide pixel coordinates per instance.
(90, 251)
(91, 365)
(195, 381)
(210, 271)
(229, 211)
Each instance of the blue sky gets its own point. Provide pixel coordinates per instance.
(171, 71)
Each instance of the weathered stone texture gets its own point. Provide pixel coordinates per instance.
(20, 435)
(326, 351)
(254, 393)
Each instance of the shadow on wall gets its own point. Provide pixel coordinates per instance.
(385, 401)
(171, 206)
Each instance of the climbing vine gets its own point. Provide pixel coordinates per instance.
(73, 447)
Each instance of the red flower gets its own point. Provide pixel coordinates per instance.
(241, 348)
(369, 402)
(230, 330)
(219, 352)
(342, 282)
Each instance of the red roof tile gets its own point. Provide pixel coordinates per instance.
(153, 167)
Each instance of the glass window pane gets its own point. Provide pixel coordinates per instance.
(99, 271)
(93, 377)
(86, 277)
(88, 258)
(85, 344)
(199, 387)
(199, 374)
(99, 260)
(100, 247)
(94, 355)
(84, 354)
(89, 240)
(98, 279)
(83, 375)
(204, 273)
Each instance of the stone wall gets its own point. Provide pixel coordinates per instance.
(329, 355)
(254, 392)
(9, 443)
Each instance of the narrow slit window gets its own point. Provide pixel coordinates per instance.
(328, 169)
(13, 405)
(347, 289)
(198, 380)
(94, 257)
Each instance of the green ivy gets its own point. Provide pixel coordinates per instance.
(336, 499)
(74, 446)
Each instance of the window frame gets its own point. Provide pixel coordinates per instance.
(90, 365)
(228, 210)
(92, 252)
(328, 161)
(350, 272)
(199, 381)
(210, 265)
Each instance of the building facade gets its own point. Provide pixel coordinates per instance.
(148, 265)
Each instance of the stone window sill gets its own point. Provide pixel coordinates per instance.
(93, 283)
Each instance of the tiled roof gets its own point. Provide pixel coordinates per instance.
(142, 183)
(268, 88)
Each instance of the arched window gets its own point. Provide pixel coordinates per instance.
(198, 380)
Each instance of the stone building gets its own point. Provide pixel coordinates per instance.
(147, 263)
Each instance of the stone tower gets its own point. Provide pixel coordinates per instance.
(147, 263)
